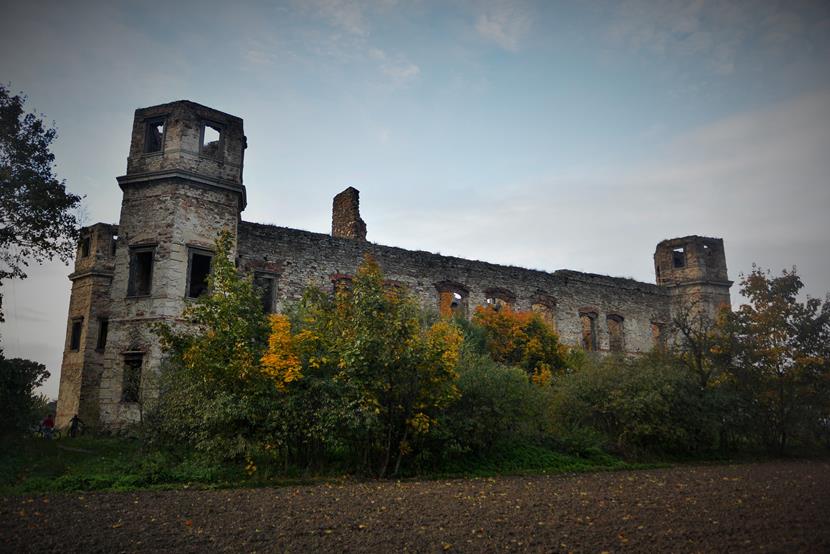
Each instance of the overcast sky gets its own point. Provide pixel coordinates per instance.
(546, 135)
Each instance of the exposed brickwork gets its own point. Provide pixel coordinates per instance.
(345, 216)
(180, 192)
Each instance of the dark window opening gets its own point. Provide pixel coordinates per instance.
(211, 138)
(264, 284)
(103, 327)
(84, 247)
(114, 244)
(678, 256)
(658, 336)
(154, 136)
(197, 280)
(616, 335)
(141, 271)
(546, 311)
(589, 331)
(131, 386)
(75, 335)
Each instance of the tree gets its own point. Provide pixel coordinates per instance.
(18, 404)
(214, 394)
(778, 350)
(37, 218)
(694, 339)
(389, 372)
(522, 339)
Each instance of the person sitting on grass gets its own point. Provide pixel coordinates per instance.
(75, 425)
(48, 425)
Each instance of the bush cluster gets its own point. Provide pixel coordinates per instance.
(362, 380)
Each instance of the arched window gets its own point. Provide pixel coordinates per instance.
(498, 298)
(545, 305)
(452, 298)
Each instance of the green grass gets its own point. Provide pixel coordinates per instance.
(88, 464)
(521, 459)
(118, 464)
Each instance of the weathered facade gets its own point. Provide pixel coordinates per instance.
(184, 186)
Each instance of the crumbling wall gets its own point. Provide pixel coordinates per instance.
(301, 258)
(345, 216)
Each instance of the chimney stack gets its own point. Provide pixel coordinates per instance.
(345, 216)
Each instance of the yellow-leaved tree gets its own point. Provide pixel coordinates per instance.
(372, 363)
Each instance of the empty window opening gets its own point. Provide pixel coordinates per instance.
(678, 257)
(154, 136)
(84, 247)
(264, 284)
(589, 331)
(131, 386)
(452, 303)
(658, 336)
(197, 275)
(616, 334)
(103, 327)
(546, 311)
(141, 271)
(113, 245)
(75, 334)
(211, 136)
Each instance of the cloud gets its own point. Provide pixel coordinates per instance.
(397, 69)
(720, 33)
(504, 23)
(343, 14)
(756, 179)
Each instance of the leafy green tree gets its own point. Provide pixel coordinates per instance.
(37, 217)
(392, 372)
(214, 395)
(19, 405)
(777, 350)
(641, 405)
(498, 404)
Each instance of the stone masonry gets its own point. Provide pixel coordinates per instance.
(184, 186)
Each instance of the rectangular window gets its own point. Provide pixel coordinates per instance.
(211, 140)
(616, 333)
(84, 247)
(103, 327)
(198, 271)
(154, 136)
(114, 245)
(264, 284)
(589, 331)
(75, 335)
(141, 271)
(131, 386)
(679, 257)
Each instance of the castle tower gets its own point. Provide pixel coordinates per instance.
(693, 268)
(87, 325)
(182, 188)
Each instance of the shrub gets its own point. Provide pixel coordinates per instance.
(639, 406)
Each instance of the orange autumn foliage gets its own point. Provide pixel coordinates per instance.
(522, 339)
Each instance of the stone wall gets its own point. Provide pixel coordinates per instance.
(170, 216)
(301, 258)
(89, 304)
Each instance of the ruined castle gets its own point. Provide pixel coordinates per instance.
(183, 186)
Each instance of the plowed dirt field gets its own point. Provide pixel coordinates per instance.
(769, 507)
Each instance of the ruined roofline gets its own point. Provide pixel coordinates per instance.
(169, 105)
(564, 274)
(688, 238)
